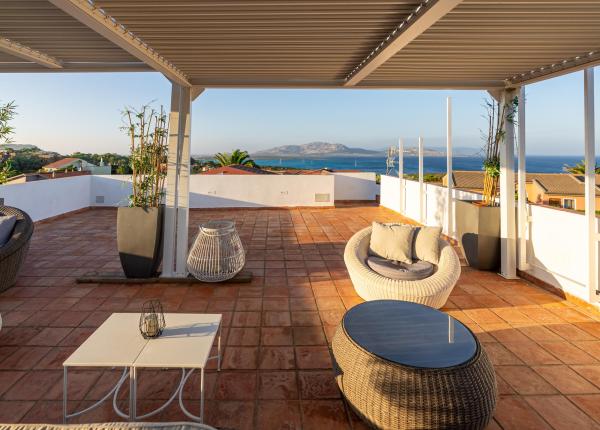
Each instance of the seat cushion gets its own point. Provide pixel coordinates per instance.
(392, 242)
(427, 244)
(401, 271)
(7, 225)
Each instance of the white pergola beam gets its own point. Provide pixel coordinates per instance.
(103, 24)
(523, 216)
(426, 14)
(18, 50)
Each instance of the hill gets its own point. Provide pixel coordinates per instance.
(315, 149)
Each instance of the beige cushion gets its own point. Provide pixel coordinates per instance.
(392, 242)
(7, 225)
(426, 244)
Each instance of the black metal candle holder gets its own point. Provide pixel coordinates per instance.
(152, 319)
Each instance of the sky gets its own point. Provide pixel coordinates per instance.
(82, 112)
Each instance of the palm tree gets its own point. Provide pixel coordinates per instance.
(235, 157)
(578, 168)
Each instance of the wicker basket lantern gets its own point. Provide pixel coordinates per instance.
(217, 253)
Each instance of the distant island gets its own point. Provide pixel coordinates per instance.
(326, 149)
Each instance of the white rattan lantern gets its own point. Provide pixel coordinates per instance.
(217, 253)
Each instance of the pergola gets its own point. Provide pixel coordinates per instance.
(493, 45)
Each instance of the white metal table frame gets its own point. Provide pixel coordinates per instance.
(130, 370)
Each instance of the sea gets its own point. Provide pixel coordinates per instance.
(534, 163)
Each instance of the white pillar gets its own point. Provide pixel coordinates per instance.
(450, 180)
(421, 185)
(523, 216)
(175, 237)
(508, 260)
(590, 186)
(401, 175)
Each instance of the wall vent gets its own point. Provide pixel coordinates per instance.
(322, 197)
(99, 199)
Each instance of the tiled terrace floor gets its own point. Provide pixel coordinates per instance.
(277, 368)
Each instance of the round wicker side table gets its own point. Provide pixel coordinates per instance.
(403, 365)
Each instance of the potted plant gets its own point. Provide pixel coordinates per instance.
(478, 221)
(140, 224)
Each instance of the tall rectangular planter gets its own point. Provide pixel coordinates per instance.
(478, 232)
(139, 240)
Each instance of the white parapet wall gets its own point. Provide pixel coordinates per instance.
(556, 239)
(355, 186)
(48, 198)
(219, 191)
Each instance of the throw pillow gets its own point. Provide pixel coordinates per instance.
(426, 244)
(392, 242)
(7, 224)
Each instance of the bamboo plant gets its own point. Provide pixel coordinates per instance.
(147, 129)
(495, 114)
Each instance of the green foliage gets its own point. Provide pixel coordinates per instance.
(579, 168)
(491, 167)
(199, 166)
(235, 157)
(147, 129)
(427, 177)
(7, 113)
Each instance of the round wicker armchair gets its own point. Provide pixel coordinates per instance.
(13, 253)
(432, 291)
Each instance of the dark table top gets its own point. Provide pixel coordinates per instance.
(409, 334)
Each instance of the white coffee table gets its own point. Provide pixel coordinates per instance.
(185, 344)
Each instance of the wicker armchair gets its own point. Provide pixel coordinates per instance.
(432, 291)
(13, 253)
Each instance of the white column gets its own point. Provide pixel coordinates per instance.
(402, 193)
(590, 186)
(523, 216)
(421, 185)
(450, 180)
(508, 260)
(175, 235)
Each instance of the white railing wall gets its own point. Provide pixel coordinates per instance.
(556, 251)
(355, 186)
(48, 198)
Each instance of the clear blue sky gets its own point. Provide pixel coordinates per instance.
(81, 112)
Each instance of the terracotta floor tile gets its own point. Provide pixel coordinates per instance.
(324, 414)
(276, 357)
(309, 336)
(499, 355)
(588, 404)
(25, 358)
(305, 318)
(8, 378)
(230, 414)
(313, 357)
(279, 415)
(513, 413)
(276, 336)
(240, 357)
(34, 385)
(276, 304)
(568, 353)
(235, 386)
(570, 332)
(277, 385)
(560, 413)
(246, 319)
(589, 372)
(566, 380)
(525, 380)
(276, 319)
(318, 385)
(332, 316)
(248, 304)
(243, 336)
(531, 353)
(14, 411)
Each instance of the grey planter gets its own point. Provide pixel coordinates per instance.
(478, 232)
(139, 240)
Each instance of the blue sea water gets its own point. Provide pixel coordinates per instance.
(534, 163)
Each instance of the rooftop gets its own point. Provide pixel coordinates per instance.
(277, 364)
